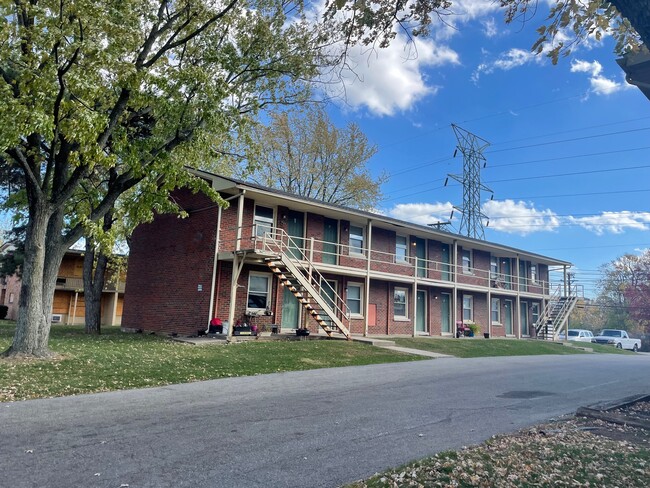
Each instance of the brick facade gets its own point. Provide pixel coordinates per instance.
(171, 266)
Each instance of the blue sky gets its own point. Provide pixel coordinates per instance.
(568, 160)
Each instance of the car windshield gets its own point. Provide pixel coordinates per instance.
(573, 333)
(610, 333)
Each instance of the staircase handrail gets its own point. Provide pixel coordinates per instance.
(277, 240)
(543, 317)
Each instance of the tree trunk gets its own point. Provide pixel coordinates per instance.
(42, 260)
(93, 286)
(638, 13)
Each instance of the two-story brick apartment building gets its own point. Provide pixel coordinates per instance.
(277, 258)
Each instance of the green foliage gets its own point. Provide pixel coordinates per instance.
(118, 361)
(302, 152)
(573, 21)
(476, 329)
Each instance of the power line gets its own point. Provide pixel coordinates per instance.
(548, 143)
(559, 175)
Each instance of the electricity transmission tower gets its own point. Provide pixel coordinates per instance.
(471, 147)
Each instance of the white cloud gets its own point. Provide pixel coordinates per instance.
(422, 213)
(614, 222)
(508, 60)
(490, 27)
(519, 217)
(600, 85)
(392, 79)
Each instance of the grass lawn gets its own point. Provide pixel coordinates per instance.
(117, 361)
(478, 347)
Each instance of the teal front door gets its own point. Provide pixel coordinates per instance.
(421, 256)
(446, 263)
(330, 241)
(290, 310)
(421, 312)
(445, 310)
(328, 293)
(507, 308)
(296, 230)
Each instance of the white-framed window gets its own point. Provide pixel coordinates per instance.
(259, 291)
(533, 273)
(466, 258)
(494, 267)
(400, 303)
(11, 298)
(263, 220)
(401, 249)
(354, 299)
(496, 311)
(356, 239)
(468, 308)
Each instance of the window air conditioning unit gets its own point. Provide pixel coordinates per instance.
(57, 318)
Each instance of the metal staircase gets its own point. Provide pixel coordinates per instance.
(296, 272)
(556, 313)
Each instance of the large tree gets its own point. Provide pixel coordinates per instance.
(624, 291)
(99, 96)
(303, 152)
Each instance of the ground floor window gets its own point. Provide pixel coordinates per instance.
(496, 311)
(534, 313)
(354, 298)
(468, 308)
(400, 303)
(259, 291)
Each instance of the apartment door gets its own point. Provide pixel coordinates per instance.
(523, 282)
(523, 320)
(421, 256)
(507, 311)
(446, 263)
(296, 230)
(507, 274)
(445, 309)
(331, 240)
(290, 310)
(421, 312)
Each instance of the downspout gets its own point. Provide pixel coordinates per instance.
(216, 260)
(367, 294)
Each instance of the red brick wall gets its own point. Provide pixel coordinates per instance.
(170, 257)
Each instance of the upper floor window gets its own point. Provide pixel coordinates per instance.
(533, 273)
(401, 249)
(263, 220)
(494, 267)
(400, 303)
(467, 260)
(356, 239)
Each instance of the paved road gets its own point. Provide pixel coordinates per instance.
(305, 429)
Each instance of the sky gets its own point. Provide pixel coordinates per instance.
(569, 144)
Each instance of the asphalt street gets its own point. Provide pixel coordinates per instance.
(317, 428)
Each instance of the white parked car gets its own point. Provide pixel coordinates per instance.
(580, 335)
(618, 338)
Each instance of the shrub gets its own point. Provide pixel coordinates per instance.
(476, 329)
(3, 312)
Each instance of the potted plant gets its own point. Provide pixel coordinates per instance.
(476, 329)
